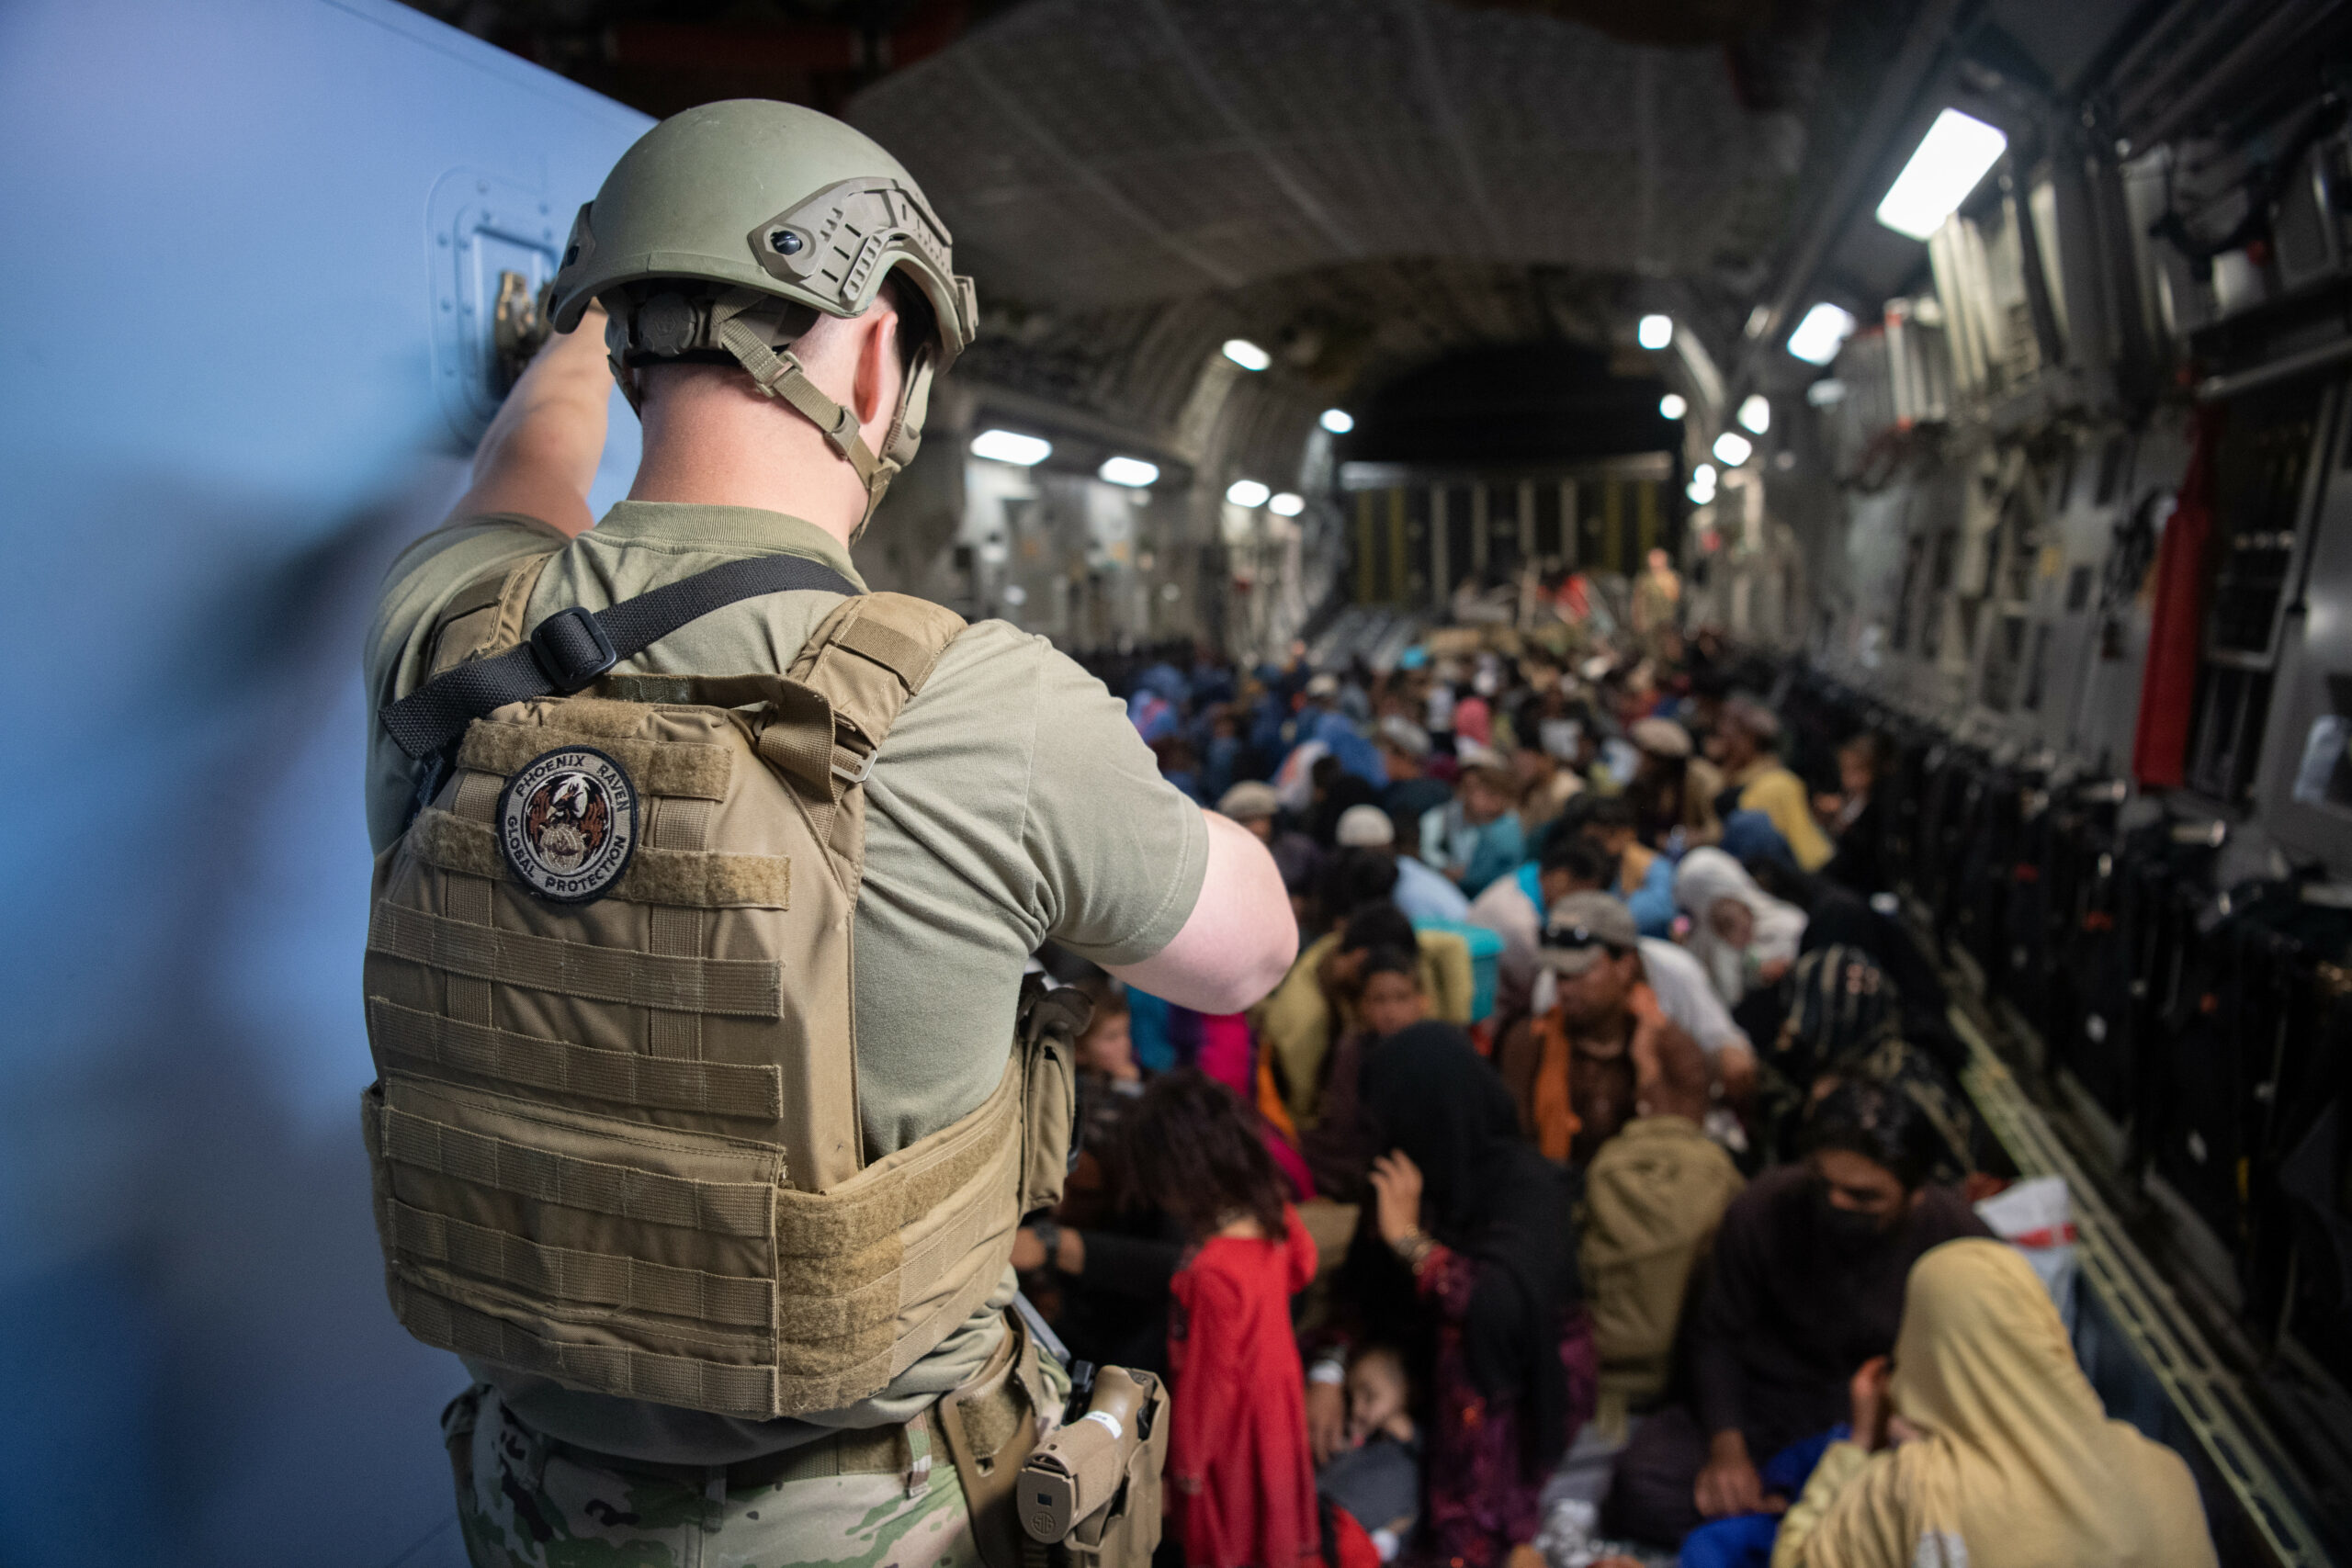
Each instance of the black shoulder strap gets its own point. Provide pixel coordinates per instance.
(572, 647)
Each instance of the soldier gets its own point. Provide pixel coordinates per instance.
(720, 1222)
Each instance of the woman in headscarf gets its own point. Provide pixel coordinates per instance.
(1847, 1021)
(1987, 1447)
(1835, 918)
(1745, 938)
(1467, 1260)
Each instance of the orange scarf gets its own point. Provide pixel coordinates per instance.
(1556, 1122)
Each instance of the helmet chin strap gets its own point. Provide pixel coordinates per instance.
(781, 375)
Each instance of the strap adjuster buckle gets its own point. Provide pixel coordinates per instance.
(572, 649)
(864, 771)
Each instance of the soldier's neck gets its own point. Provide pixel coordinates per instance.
(712, 444)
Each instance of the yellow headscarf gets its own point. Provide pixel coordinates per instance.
(2017, 1467)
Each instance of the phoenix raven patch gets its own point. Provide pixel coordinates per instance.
(567, 823)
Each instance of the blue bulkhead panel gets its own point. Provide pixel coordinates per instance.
(251, 248)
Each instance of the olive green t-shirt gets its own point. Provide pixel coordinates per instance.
(1011, 803)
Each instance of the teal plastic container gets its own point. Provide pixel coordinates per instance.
(1486, 961)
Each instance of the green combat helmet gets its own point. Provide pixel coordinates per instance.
(722, 233)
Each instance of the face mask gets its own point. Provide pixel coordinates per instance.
(1844, 1231)
(1559, 737)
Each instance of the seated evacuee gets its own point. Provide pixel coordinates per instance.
(1847, 1021)
(1422, 893)
(1673, 791)
(1405, 752)
(1754, 780)
(1514, 906)
(1256, 807)
(1106, 1253)
(1336, 791)
(1545, 787)
(1476, 837)
(1314, 1006)
(1854, 820)
(1378, 1476)
(1641, 876)
(1598, 1050)
(1745, 938)
(1389, 1000)
(1804, 1285)
(1987, 1447)
(1466, 1263)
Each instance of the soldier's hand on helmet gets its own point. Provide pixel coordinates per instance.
(541, 453)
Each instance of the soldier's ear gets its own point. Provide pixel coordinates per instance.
(873, 395)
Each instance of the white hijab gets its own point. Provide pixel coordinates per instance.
(1708, 876)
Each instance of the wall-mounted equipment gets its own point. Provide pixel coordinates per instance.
(494, 246)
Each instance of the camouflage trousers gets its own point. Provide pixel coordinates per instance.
(875, 1502)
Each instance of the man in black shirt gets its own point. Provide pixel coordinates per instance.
(1806, 1285)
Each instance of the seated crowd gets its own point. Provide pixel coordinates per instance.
(1604, 1144)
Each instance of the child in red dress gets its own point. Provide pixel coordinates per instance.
(1240, 1486)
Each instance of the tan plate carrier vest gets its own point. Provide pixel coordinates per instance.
(616, 1144)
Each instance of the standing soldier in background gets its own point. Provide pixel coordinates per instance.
(718, 1219)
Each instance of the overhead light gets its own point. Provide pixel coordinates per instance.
(1700, 494)
(1009, 446)
(1732, 448)
(1655, 332)
(1247, 354)
(1672, 406)
(1825, 392)
(1820, 334)
(1951, 158)
(1247, 492)
(1131, 471)
(1286, 505)
(1339, 421)
(1755, 412)
(1704, 474)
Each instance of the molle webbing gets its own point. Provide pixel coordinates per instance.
(625, 1193)
(431, 1044)
(700, 878)
(867, 1280)
(588, 1278)
(698, 772)
(729, 1390)
(742, 987)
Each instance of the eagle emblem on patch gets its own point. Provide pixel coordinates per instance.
(567, 823)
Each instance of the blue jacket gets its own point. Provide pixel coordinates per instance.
(1653, 901)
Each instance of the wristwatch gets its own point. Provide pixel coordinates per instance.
(1049, 1236)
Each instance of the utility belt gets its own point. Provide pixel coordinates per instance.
(1057, 1470)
